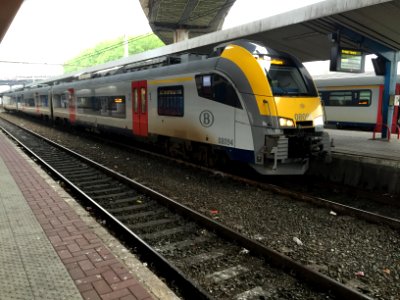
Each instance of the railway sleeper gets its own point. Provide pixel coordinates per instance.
(78, 178)
(107, 189)
(165, 233)
(61, 162)
(67, 167)
(189, 242)
(226, 274)
(199, 258)
(153, 223)
(131, 217)
(130, 207)
(91, 181)
(98, 186)
(79, 173)
(113, 196)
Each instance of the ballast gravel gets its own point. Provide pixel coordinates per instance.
(359, 254)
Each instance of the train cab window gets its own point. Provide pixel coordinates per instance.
(347, 98)
(170, 101)
(217, 88)
(286, 76)
(143, 100)
(286, 81)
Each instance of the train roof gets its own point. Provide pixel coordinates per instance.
(346, 79)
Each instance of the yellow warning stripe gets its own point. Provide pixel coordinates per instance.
(171, 80)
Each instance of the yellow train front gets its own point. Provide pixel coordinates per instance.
(285, 111)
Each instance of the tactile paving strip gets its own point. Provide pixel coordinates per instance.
(30, 267)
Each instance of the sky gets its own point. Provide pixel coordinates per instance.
(50, 32)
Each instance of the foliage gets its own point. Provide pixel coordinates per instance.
(111, 50)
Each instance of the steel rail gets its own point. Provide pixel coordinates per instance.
(317, 201)
(315, 279)
(187, 287)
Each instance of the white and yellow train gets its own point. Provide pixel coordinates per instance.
(246, 102)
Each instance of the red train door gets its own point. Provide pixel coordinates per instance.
(139, 108)
(72, 105)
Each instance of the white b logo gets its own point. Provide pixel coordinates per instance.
(206, 118)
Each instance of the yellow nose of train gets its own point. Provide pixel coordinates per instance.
(288, 124)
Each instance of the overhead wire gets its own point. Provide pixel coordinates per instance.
(96, 53)
(111, 47)
(116, 45)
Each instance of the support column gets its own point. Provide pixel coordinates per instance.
(181, 35)
(389, 91)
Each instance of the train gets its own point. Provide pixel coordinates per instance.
(354, 101)
(244, 102)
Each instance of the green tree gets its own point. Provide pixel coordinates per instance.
(111, 50)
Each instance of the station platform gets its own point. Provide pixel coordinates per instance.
(361, 143)
(50, 248)
(359, 160)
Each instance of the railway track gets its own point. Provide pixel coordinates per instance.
(203, 258)
(379, 209)
(363, 205)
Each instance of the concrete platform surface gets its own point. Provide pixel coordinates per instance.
(48, 252)
(361, 143)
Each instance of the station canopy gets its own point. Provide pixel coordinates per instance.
(8, 11)
(196, 16)
(306, 32)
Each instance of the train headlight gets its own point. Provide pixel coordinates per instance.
(283, 122)
(319, 123)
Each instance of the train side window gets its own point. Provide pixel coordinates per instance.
(105, 109)
(89, 105)
(340, 98)
(30, 102)
(44, 100)
(143, 100)
(117, 106)
(109, 106)
(170, 101)
(217, 88)
(56, 101)
(347, 98)
(204, 86)
(135, 101)
(364, 98)
(64, 100)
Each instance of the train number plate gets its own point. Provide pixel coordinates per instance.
(225, 141)
(301, 117)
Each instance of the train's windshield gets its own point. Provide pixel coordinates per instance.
(284, 77)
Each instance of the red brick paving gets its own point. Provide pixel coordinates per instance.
(94, 269)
